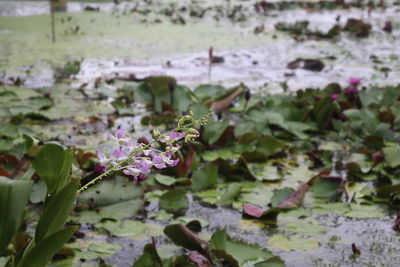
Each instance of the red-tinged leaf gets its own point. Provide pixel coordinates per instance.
(295, 199)
(9, 159)
(184, 165)
(4, 172)
(253, 210)
(258, 212)
(200, 260)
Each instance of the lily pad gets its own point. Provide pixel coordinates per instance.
(293, 243)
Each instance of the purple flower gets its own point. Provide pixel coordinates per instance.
(101, 156)
(120, 133)
(158, 162)
(143, 166)
(142, 177)
(176, 135)
(354, 81)
(131, 171)
(175, 162)
(118, 154)
(351, 91)
(100, 168)
(334, 96)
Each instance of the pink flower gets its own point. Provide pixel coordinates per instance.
(158, 162)
(354, 81)
(334, 96)
(176, 136)
(351, 91)
(118, 154)
(120, 133)
(100, 168)
(142, 177)
(101, 156)
(131, 171)
(143, 166)
(175, 162)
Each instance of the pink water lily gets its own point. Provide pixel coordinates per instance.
(334, 96)
(354, 81)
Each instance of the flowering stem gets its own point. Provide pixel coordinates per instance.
(113, 168)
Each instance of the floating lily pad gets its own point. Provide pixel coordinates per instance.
(293, 243)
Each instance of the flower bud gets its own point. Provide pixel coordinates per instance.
(190, 137)
(182, 121)
(156, 133)
(192, 131)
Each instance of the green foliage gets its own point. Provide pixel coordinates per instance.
(14, 196)
(149, 257)
(53, 165)
(205, 177)
(44, 250)
(174, 200)
(236, 252)
(56, 211)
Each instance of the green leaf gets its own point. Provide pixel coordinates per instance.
(392, 156)
(124, 228)
(326, 187)
(53, 165)
(280, 195)
(323, 112)
(230, 194)
(117, 211)
(205, 177)
(109, 192)
(214, 130)
(236, 252)
(164, 180)
(149, 257)
(56, 212)
(271, 262)
(264, 172)
(292, 243)
(43, 252)
(182, 236)
(174, 200)
(14, 196)
(208, 91)
(366, 211)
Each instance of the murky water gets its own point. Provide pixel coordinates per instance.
(261, 63)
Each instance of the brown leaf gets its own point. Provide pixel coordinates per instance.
(295, 199)
(252, 210)
(224, 103)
